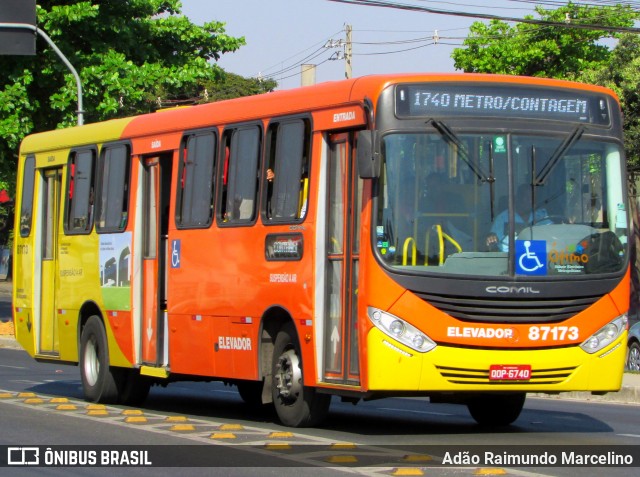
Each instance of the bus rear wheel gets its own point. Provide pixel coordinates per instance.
(99, 382)
(297, 405)
(496, 409)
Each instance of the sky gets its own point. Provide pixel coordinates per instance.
(281, 35)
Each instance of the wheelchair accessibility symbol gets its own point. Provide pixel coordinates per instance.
(175, 254)
(531, 257)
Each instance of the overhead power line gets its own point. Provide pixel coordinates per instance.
(485, 16)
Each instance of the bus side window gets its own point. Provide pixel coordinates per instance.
(80, 187)
(112, 207)
(26, 201)
(288, 159)
(240, 175)
(194, 206)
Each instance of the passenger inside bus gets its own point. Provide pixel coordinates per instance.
(294, 191)
(525, 214)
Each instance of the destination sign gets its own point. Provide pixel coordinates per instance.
(500, 100)
(284, 246)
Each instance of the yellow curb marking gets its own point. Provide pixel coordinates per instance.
(342, 459)
(407, 471)
(277, 446)
(58, 400)
(183, 428)
(136, 419)
(176, 419)
(280, 435)
(222, 435)
(33, 401)
(490, 471)
(343, 445)
(417, 458)
(230, 427)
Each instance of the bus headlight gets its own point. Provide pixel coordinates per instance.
(605, 335)
(400, 330)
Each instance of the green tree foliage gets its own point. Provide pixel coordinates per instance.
(565, 53)
(541, 50)
(133, 56)
(233, 86)
(622, 74)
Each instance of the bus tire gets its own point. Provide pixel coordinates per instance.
(100, 382)
(496, 409)
(296, 405)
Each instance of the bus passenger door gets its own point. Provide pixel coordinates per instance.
(344, 192)
(48, 342)
(156, 190)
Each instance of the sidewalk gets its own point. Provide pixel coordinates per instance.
(630, 392)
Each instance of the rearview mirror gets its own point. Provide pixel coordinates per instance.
(368, 158)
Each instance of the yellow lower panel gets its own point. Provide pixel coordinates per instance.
(394, 367)
(24, 332)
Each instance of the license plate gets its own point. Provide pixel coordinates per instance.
(510, 372)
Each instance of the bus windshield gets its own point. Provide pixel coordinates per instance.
(446, 204)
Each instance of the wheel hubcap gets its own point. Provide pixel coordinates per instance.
(634, 359)
(288, 376)
(91, 363)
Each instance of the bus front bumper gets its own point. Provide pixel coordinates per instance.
(395, 367)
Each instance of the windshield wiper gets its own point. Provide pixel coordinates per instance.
(569, 141)
(452, 138)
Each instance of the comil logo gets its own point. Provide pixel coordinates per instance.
(512, 290)
(23, 456)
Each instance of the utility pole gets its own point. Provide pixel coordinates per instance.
(348, 53)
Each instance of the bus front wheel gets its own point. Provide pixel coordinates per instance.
(99, 382)
(297, 405)
(496, 409)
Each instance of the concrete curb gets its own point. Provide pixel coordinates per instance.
(626, 395)
(9, 342)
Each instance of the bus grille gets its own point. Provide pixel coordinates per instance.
(507, 310)
(481, 376)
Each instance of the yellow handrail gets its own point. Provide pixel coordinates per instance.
(304, 196)
(442, 236)
(414, 252)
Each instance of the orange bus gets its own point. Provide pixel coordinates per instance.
(458, 237)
